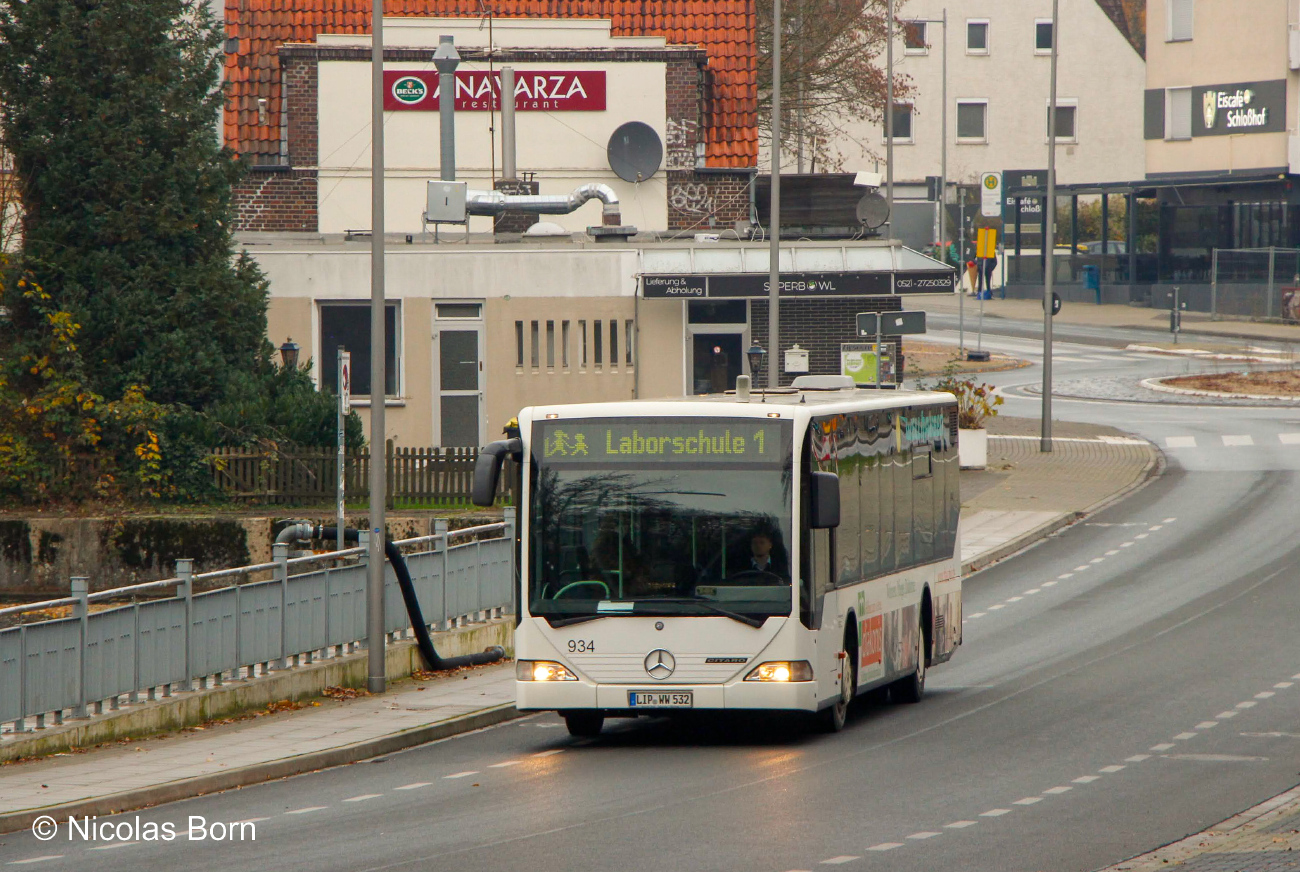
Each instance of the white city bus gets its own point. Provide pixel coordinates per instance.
(780, 553)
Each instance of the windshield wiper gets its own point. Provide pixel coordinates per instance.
(708, 604)
(572, 619)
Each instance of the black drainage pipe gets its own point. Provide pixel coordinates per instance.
(422, 639)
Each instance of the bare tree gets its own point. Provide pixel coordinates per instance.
(832, 72)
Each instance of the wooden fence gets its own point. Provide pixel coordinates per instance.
(416, 477)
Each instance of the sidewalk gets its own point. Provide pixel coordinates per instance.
(1265, 838)
(1110, 315)
(1022, 497)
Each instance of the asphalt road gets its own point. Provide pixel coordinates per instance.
(1131, 680)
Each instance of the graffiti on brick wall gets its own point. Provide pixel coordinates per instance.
(681, 136)
(694, 198)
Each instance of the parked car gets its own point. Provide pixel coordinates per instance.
(1112, 247)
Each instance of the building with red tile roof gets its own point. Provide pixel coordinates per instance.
(724, 29)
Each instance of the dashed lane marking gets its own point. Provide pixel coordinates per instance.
(1283, 685)
(1228, 714)
(924, 834)
(960, 825)
(1265, 694)
(978, 615)
(41, 859)
(1247, 704)
(1289, 438)
(363, 797)
(120, 845)
(550, 753)
(256, 820)
(1206, 725)
(414, 786)
(1110, 769)
(1170, 520)
(1237, 440)
(505, 764)
(1097, 560)
(996, 607)
(308, 809)
(1065, 576)
(1049, 584)
(1058, 790)
(995, 812)
(1082, 568)
(836, 861)
(1088, 779)
(462, 774)
(885, 846)
(1014, 599)
(1141, 535)
(1033, 591)
(1028, 800)
(1155, 527)
(1126, 544)
(1137, 758)
(1112, 552)
(1163, 746)
(1183, 737)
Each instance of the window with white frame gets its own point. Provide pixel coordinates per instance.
(903, 123)
(977, 36)
(1043, 36)
(1178, 113)
(972, 120)
(347, 325)
(1067, 118)
(1181, 20)
(914, 38)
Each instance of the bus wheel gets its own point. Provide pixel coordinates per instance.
(834, 718)
(912, 688)
(584, 724)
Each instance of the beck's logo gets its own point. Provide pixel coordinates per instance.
(1210, 106)
(409, 90)
(659, 664)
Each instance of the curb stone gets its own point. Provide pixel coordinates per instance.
(187, 788)
(1156, 384)
(1154, 468)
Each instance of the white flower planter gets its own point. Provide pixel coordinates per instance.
(973, 448)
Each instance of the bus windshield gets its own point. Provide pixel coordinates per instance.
(679, 516)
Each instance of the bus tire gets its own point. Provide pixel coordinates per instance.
(912, 688)
(836, 716)
(585, 725)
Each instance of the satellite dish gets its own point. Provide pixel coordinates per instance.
(873, 210)
(635, 151)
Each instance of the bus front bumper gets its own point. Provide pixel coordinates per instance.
(752, 695)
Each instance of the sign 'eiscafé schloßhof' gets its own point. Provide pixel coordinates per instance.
(479, 90)
(1245, 107)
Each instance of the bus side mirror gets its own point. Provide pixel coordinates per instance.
(824, 501)
(487, 469)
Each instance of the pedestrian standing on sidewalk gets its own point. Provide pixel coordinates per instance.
(987, 265)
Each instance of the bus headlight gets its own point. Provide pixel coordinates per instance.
(542, 670)
(782, 670)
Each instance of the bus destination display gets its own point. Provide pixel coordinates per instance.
(682, 440)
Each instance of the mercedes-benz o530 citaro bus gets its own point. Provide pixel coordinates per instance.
(781, 552)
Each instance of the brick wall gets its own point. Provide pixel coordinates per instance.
(276, 199)
(515, 222)
(819, 326)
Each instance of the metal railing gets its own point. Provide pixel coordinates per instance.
(1255, 283)
(311, 608)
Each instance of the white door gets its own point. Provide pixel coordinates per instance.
(458, 374)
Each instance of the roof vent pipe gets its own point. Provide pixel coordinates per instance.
(508, 123)
(446, 59)
(496, 202)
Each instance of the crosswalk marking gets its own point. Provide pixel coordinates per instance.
(1180, 442)
(1289, 438)
(1238, 440)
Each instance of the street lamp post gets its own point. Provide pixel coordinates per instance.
(376, 676)
(1049, 244)
(889, 115)
(774, 247)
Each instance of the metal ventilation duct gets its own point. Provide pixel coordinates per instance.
(495, 202)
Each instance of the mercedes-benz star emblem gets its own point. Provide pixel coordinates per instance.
(659, 664)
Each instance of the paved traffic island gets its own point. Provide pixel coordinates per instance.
(1269, 385)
